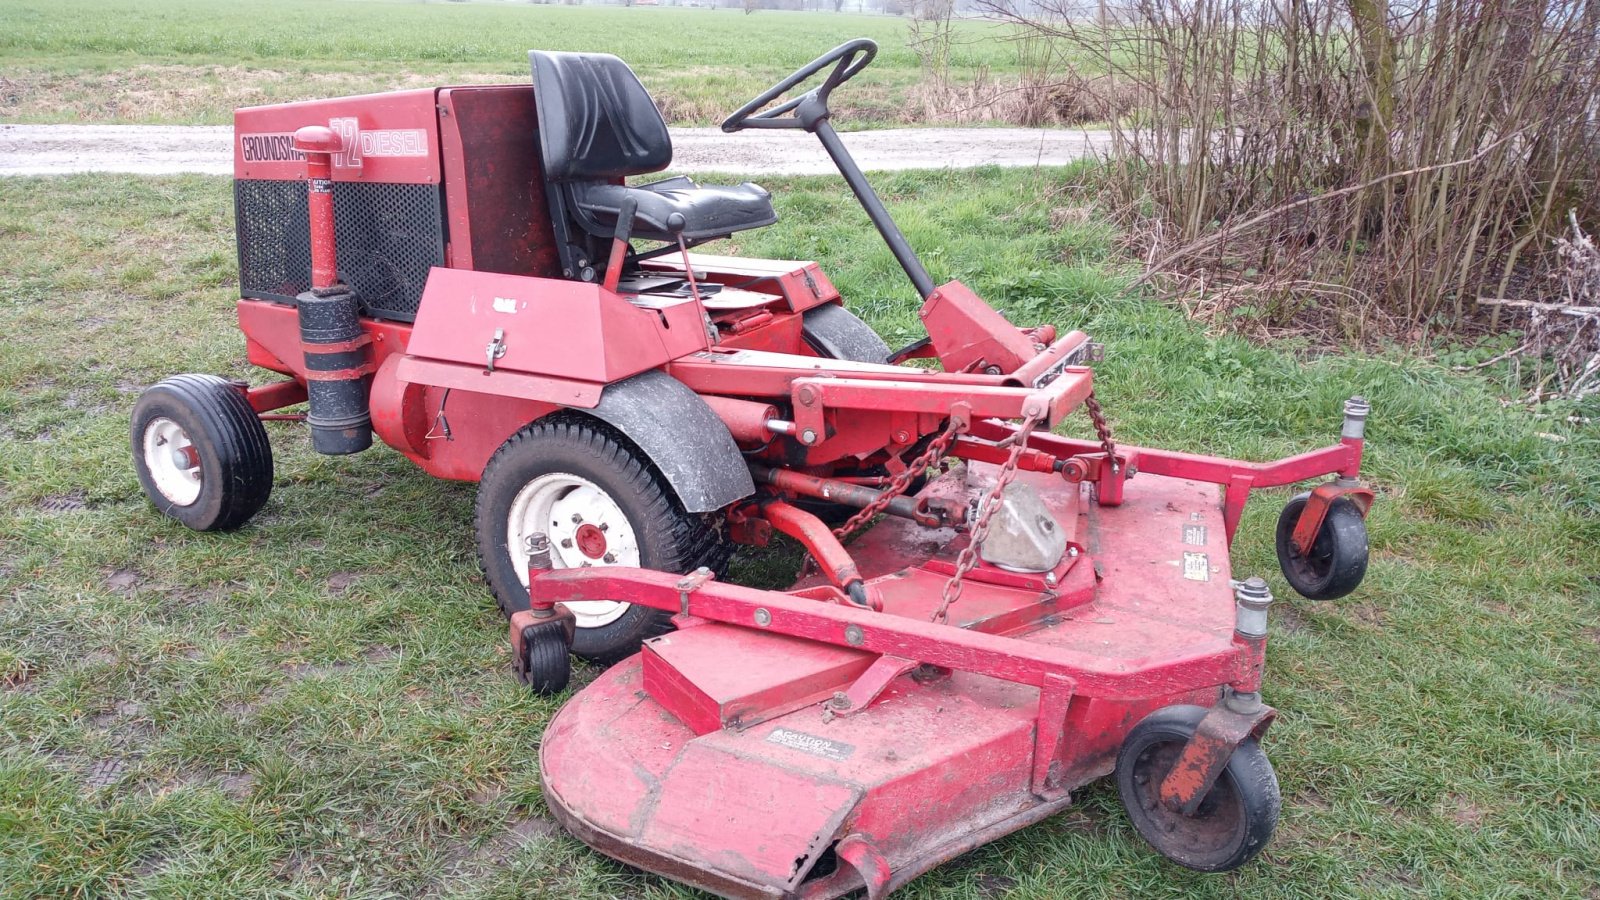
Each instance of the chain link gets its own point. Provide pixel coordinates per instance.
(1101, 427)
(987, 507)
(898, 484)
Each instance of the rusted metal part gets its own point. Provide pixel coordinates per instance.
(319, 143)
(869, 863)
(897, 486)
(525, 623)
(1224, 728)
(845, 493)
(1321, 500)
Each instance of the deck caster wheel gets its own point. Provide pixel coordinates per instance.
(200, 452)
(1232, 823)
(833, 332)
(602, 503)
(1338, 558)
(546, 665)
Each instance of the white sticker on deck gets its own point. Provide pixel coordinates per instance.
(810, 743)
(1196, 566)
(1194, 535)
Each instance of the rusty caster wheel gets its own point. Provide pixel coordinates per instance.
(1232, 823)
(546, 665)
(1338, 558)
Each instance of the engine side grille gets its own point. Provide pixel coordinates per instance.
(388, 236)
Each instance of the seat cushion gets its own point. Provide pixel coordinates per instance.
(596, 121)
(707, 211)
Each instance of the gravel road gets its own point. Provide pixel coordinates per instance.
(205, 149)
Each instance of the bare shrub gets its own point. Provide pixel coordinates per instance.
(1350, 163)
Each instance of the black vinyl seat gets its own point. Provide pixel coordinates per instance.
(597, 126)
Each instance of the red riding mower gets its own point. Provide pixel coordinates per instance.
(466, 273)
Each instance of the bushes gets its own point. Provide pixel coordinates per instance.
(1346, 163)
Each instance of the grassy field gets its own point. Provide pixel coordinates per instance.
(320, 704)
(194, 61)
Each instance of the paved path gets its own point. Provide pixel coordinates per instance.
(205, 149)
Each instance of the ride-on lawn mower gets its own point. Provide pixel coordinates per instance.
(466, 273)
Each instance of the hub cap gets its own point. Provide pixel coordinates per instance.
(173, 461)
(585, 527)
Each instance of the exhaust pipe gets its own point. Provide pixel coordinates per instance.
(338, 363)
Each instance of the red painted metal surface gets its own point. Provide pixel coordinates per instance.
(391, 137)
(495, 199)
(907, 772)
(801, 285)
(968, 333)
(319, 145)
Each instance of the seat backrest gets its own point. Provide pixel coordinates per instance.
(596, 121)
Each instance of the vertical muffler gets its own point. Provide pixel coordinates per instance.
(338, 362)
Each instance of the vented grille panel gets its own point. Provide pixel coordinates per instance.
(388, 236)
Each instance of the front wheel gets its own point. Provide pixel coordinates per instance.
(1337, 561)
(601, 503)
(1234, 821)
(200, 452)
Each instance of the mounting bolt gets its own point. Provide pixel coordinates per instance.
(1050, 579)
(901, 437)
(1072, 552)
(538, 547)
(840, 701)
(1356, 410)
(808, 437)
(763, 618)
(1251, 597)
(807, 396)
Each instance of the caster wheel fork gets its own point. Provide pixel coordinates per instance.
(1232, 821)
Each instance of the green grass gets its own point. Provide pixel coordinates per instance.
(194, 61)
(320, 704)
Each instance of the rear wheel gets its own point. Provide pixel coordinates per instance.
(201, 453)
(833, 332)
(601, 503)
(1234, 821)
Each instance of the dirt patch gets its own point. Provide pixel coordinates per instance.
(206, 149)
(105, 773)
(125, 580)
(339, 582)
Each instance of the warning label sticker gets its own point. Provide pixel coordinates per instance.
(1194, 535)
(810, 743)
(1196, 566)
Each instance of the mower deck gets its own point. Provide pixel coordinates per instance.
(728, 762)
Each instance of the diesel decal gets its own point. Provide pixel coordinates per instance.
(358, 144)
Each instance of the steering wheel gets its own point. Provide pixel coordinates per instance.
(852, 57)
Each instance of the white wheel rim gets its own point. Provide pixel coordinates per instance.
(573, 511)
(173, 461)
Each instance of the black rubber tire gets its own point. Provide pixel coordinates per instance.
(834, 332)
(1338, 558)
(1235, 820)
(229, 439)
(670, 540)
(547, 664)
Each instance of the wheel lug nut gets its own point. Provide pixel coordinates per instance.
(577, 519)
(605, 526)
(566, 543)
(610, 557)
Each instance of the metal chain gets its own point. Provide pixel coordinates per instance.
(1101, 427)
(987, 507)
(898, 484)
